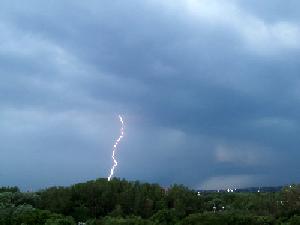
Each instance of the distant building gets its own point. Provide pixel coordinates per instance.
(165, 190)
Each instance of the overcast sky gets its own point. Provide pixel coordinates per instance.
(209, 91)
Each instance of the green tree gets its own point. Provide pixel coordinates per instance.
(165, 217)
(60, 220)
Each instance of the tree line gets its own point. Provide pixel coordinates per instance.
(120, 202)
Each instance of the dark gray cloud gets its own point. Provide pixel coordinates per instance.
(209, 91)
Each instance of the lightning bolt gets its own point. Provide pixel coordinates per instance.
(115, 149)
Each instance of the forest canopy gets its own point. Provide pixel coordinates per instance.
(134, 203)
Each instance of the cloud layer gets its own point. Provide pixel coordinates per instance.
(209, 91)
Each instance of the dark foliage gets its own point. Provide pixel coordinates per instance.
(121, 202)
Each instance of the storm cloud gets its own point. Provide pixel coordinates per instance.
(209, 91)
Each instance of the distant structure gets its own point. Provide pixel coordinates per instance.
(214, 208)
(165, 190)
